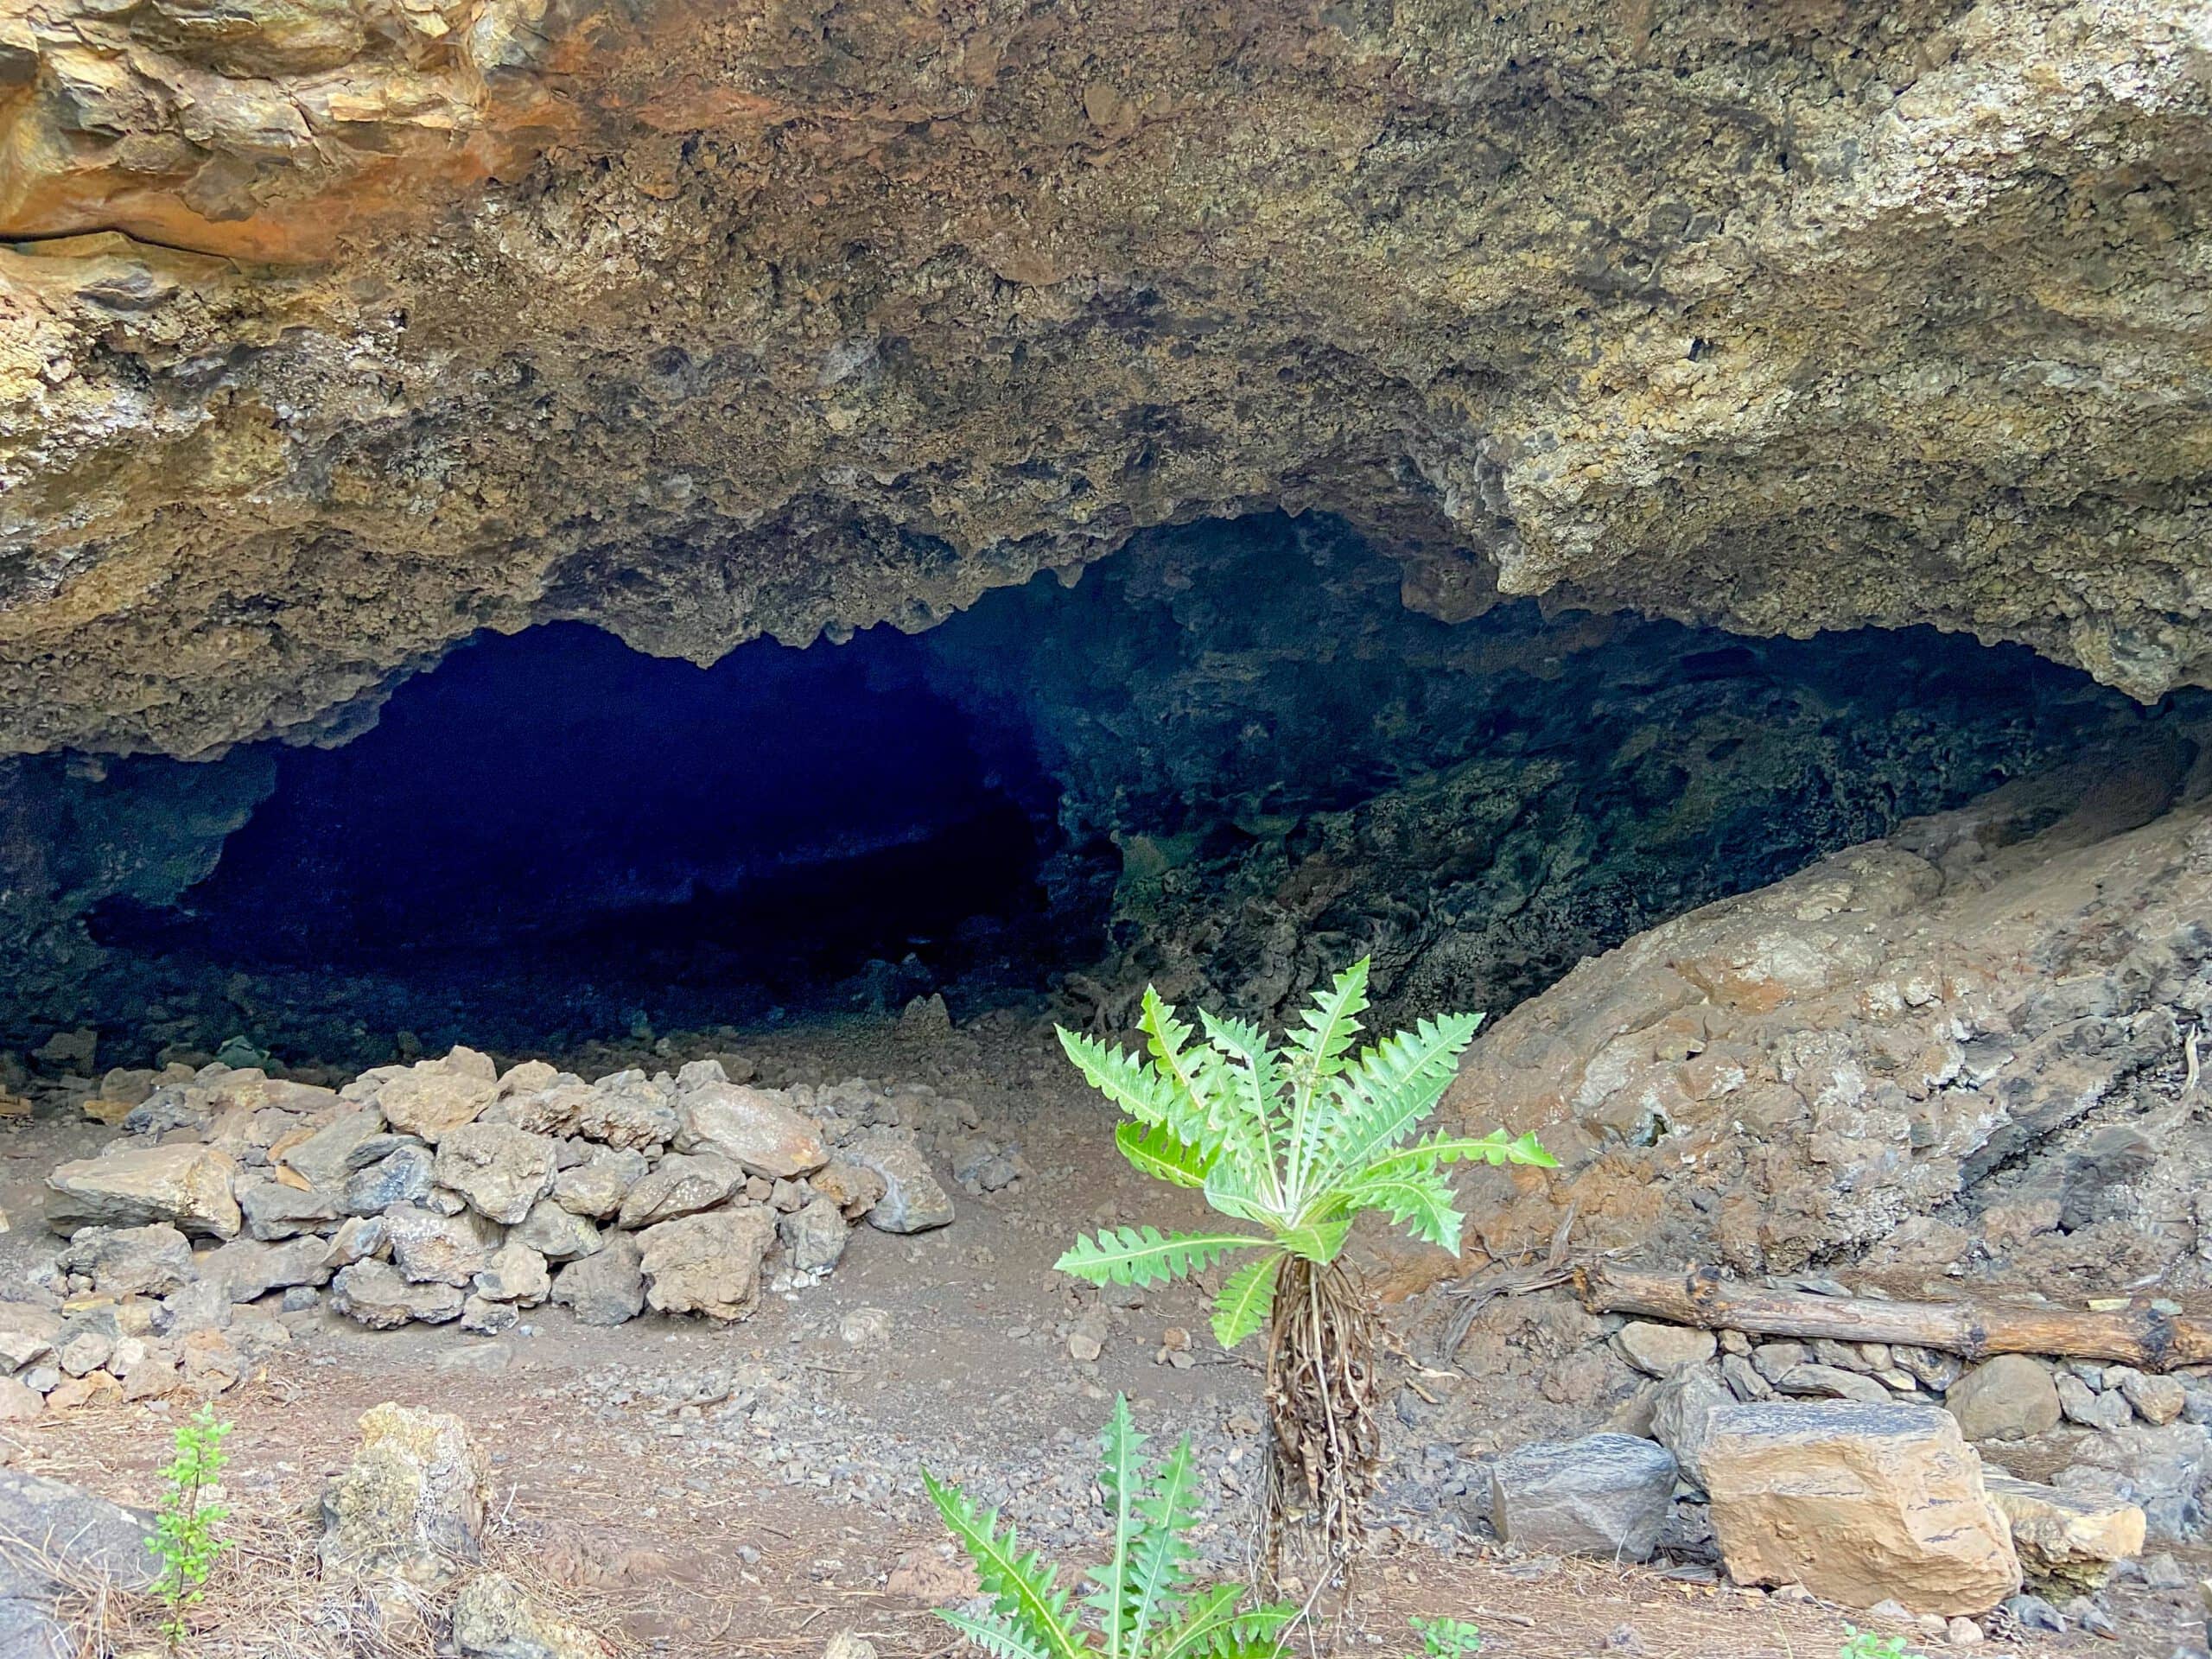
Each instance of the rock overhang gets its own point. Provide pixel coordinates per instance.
(333, 340)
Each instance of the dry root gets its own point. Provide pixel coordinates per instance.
(1326, 1446)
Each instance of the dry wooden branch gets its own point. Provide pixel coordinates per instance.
(2139, 1336)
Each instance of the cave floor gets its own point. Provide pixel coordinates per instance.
(691, 1488)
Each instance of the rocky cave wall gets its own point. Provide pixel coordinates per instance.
(334, 334)
(1226, 762)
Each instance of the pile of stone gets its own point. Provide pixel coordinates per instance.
(1860, 1477)
(448, 1191)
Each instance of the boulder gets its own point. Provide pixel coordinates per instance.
(2008, 1398)
(853, 1190)
(323, 1158)
(358, 1238)
(60, 1538)
(912, 1201)
(1859, 1504)
(2162, 1469)
(500, 1171)
(627, 1109)
(596, 1187)
(401, 1176)
(553, 1108)
(431, 1100)
(411, 1502)
(431, 1249)
(378, 1295)
(1682, 1411)
(1663, 1349)
(680, 1185)
(516, 1274)
(2071, 1537)
(707, 1263)
(815, 1236)
(275, 1209)
(151, 1261)
(251, 1269)
(188, 1185)
(750, 1128)
(555, 1233)
(1604, 1494)
(493, 1617)
(607, 1287)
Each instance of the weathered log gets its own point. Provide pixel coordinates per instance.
(1974, 1329)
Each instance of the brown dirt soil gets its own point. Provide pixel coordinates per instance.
(654, 1528)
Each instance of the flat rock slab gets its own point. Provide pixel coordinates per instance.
(1859, 1504)
(1603, 1495)
(188, 1187)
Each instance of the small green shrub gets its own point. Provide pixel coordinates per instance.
(186, 1530)
(1447, 1638)
(1141, 1600)
(1865, 1644)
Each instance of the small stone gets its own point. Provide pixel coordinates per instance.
(2066, 1534)
(853, 1190)
(515, 1274)
(149, 1260)
(378, 1295)
(913, 1200)
(485, 1318)
(1773, 1359)
(322, 1160)
(556, 1233)
(252, 1269)
(815, 1236)
(2008, 1398)
(2034, 1613)
(865, 1327)
(2083, 1404)
(1742, 1378)
(1663, 1349)
(494, 1618)
(19, 1403)
(358, 1238)
(1832, 1383)
(2157, 1399)
(680, 1185)
(596, 1188)
(1605, 1495)
(1963, 1632)
(1682, 1409)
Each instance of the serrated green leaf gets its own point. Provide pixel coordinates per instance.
(1024, 1589)
(1157, 1152)
(1132, 1084)
(1145, 1255)
(1121, 1478)
(1313, 1054)
(1245, 1301)
(1317, 1242)
(1385, 1094)
(1441, 1150)
(1169, 1509)
(995, 1634)
(1420, 1199)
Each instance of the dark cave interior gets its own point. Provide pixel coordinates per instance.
(1228, 759)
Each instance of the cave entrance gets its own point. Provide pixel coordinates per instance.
(552, 834)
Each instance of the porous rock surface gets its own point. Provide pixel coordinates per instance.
(1928, 1052)
(334, 335)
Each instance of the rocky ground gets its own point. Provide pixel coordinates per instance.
(687, 1448)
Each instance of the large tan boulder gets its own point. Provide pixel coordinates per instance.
(707, 1263)
(432, 1100)
(188, 1185)
(750, 1128)
(1859, 1504)
(2073, 1536)
(411, 1503)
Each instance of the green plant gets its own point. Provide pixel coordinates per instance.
(1142, 1597)
(1447, 1638)
(1865, 1644)
(1294, 1140)
(187, 1534)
